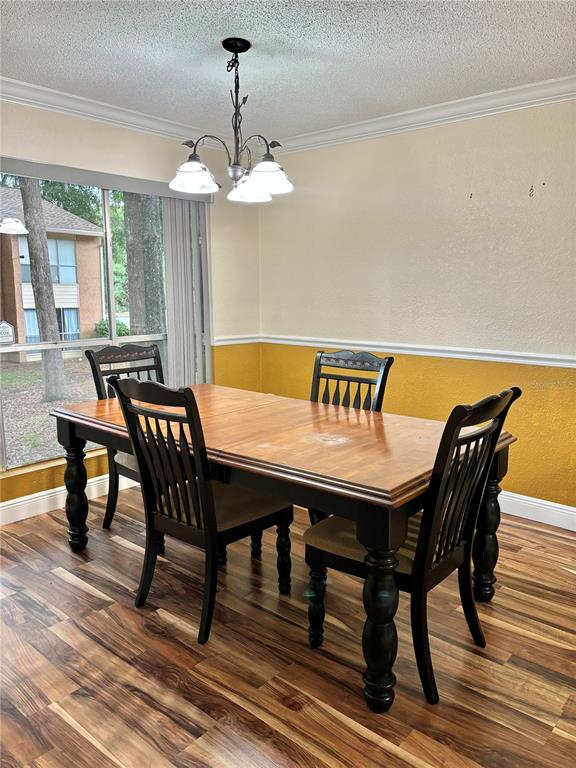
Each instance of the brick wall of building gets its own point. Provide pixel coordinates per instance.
(89, 277)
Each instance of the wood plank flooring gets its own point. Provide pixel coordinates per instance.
(89, 681)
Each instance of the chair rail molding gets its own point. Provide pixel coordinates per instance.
(422, 350)
(519, 97)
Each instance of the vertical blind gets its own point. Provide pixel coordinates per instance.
(187, 315)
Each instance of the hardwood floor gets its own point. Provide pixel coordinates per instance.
(89, 681)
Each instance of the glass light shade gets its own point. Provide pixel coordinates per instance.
(247, 191)
(271, 177)
(199, 182)
(191, 166)
(268, 166)
(12, 227)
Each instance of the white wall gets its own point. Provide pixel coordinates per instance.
(431, 237)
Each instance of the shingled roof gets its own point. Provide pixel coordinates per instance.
(57, 219)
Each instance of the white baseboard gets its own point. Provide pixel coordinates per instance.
(539, 510)
(528, 507)
(46, 501)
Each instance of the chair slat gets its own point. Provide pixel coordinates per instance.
(346, 398)
(336, 395)
(367, 404)
(158, 470)
(176, 460)
(190, 471)
(357, 398)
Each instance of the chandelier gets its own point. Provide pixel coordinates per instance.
(251, 184)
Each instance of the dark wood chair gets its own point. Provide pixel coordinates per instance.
(365, 392)
(180, 497)
(439, 537)
(143, 362)
(362, 391)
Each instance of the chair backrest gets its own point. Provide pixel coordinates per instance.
(459, 478)
(365, 392)
(168, 442)
(128, 360)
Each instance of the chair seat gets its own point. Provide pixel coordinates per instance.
(235, 506)
(337, 536)
(127, 460)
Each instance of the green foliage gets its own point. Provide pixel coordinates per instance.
(82, 201)
(103, 329)
(119, 253)
(7, 180)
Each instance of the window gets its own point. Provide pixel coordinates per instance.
(62, 257)
(138, 261)
(99, 296)
(32, 330)
(68, 324)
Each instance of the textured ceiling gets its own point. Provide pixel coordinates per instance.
(314, 65)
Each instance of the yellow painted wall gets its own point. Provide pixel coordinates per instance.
(237, 365)
(45, 475)
(542, 462)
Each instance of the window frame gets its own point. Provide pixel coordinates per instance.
(106, 183)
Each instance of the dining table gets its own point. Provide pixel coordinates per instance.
(369, 467)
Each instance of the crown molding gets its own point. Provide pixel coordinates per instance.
(30, 95)
(531, 95)
(520, 97)
(421, 350)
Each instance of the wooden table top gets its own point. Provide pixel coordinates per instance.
(380, 458)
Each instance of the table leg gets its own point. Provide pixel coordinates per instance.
(379, 639)
(75, 479)
(485, 545)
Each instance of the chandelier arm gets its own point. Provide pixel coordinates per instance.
(215, 138)
(255, 136)
(247, 150)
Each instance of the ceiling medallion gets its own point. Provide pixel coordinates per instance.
(251, 184)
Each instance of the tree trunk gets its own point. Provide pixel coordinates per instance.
(41, 278)
(144, 251)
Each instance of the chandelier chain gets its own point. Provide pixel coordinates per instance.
(234, 64)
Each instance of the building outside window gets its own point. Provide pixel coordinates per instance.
(74, 250)
(106, 266)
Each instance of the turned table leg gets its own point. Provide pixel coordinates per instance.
(485, 545)
(379, 639)
(381, 532)
(75, 479)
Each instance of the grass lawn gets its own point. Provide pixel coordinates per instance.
(29, 429)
